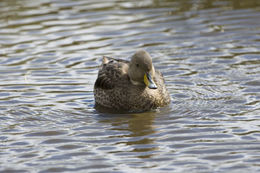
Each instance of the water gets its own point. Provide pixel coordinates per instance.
(208, 51)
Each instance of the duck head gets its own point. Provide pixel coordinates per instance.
(141, 70)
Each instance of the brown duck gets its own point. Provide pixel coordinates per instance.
(133, 86)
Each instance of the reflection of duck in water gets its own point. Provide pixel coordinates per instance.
(135, 131)
(133, 86)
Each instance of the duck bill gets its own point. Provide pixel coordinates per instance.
(149, 81)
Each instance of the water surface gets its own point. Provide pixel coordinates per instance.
(208, 51)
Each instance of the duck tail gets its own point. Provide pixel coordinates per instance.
(105, 60)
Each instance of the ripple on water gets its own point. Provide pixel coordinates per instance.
(49, 58)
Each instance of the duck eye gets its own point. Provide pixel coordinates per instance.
(137, 65)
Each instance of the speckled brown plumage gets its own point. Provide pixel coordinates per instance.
(118, 88)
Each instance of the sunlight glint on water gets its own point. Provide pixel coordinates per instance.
(208, 51)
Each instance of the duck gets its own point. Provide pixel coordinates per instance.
(130, 86)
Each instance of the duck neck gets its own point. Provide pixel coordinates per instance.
(136, 82)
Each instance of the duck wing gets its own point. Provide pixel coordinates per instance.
(112, 72)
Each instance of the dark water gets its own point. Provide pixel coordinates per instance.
(208, 51)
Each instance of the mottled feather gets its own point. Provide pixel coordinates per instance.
(110, 73)
(115, 90)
